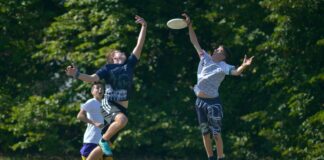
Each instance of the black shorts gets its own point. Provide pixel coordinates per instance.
(210, 114)
(109, 112)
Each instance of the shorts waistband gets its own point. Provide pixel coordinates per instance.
(120, 107)
(210, 100)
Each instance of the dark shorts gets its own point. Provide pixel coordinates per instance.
(210, 114)
(87, 148)
(110, 112)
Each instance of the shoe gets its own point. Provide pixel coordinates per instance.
(105, 147)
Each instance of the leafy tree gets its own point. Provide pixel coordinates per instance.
(21, 24)
(290, 122)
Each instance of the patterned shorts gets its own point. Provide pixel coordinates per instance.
(109, 112)
(110, 109)
(210, 114)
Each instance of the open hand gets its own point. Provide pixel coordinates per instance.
(140, 20)
(187, 18)
(247, 61)
(71, 70)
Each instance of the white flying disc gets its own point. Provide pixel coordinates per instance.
(177, 23)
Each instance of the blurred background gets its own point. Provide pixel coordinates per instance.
(274, 111)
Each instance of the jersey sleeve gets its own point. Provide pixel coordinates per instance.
(102, 72)
(132, 60)
(86, 106)
(205, 57)
(228, 68)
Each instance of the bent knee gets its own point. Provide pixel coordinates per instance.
(122, 119)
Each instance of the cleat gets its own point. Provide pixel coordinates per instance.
(105, 147)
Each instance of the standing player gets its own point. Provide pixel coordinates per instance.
(211, 72)
(118, 77)
(90, 113)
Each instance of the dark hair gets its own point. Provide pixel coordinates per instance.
(96, 83)
(227, 51)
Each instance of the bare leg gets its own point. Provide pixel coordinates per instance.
(219, 144)
(95, 154)
(208, 145)
(120, 122)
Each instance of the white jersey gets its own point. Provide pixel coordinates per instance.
(93, 109)
(210, 75)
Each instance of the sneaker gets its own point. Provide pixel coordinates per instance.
(105, 147)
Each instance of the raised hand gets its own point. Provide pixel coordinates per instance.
(247, 61)
(141, 38)
(140, 20)
(71, 70)
(187, 18)
(192, 34)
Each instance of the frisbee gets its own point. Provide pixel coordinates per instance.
(177, 23)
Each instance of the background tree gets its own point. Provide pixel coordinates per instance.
(21, 24)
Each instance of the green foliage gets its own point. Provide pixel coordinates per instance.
(294, 101)
(274, 111)
(21, 24)
(38, 124)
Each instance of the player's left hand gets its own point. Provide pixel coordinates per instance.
(140, 20)
(247, 61)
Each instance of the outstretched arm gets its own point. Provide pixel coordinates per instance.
(246, 63)
(74, 72)
(141, 38)
(192, 35)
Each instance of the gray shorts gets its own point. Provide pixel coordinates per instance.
(210, 114)
(110, 109)
(109, 112)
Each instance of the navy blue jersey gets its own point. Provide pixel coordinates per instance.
(118, 79)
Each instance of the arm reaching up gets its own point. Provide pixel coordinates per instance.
(192, 35)
(141, 38)
(240, 69)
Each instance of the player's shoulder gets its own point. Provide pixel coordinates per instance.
(203, 55)
(133, 56)
(92, 100)
(224, 63)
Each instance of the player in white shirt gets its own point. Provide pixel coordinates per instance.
(90, 112)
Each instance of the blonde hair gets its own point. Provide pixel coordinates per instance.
(110, 56)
